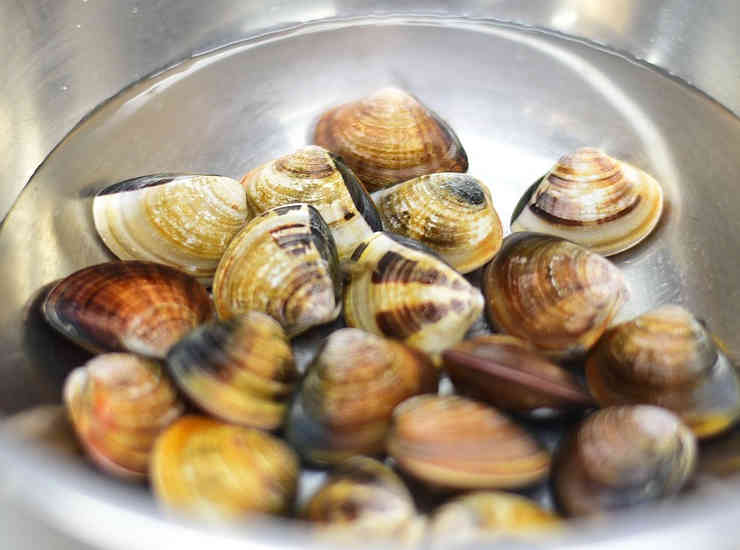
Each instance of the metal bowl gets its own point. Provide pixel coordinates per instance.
(517, 94)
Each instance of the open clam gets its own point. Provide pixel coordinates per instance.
(185, 221)
(594, 200)
(451, 213)
(389, 137)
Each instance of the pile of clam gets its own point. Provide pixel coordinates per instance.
(197, 388)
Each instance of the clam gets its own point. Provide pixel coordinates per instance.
(389, 137)
(240, 370)
(348, 395)
(205, 468)
(118, 404)
(184, 221)
(451, 213)
(556, 294)
(509, 373)
(404, 293)
(134, 306)
(594, 200)
(667, 358)
(457, 443)
(315, 176)
(283, 263)
(620, 457)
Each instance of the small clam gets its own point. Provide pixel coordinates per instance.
(213, 470)
(451, 213)
(134, 306)
(283, 263)
(185, 221)
(666, 357)
(594, 200)
(390, 137)
(349, 393)
(240, 370)
(315, 176)
(119, 403)
(620, 457)
(404, 293)
(509, 373)
(458, 443)
(553, 293)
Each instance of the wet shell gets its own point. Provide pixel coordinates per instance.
(202, 467)
(621, 457)
(553, 293)
(594, 200)
(240, 371)
(134, 306)
(283, 263)
(509, 374)
(185, 221)
(118, 404)
(390, 137)
(314, 176)
(349, 393)
(451, 213)
(458, 443)
(666, 357)
(404, 293)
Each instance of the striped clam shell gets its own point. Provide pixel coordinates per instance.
(451, 213)
(283, 263)
(557, 295)
(389, 137)
(409, 295)
(185, 221)
(665, 357)
(594, 200)
(315, 176)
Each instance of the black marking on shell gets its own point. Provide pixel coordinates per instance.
(358, 251)
(284, 209)
(403, 270)
(524, 201)
(466, 188)
(141, 182)
(324, 242)
(408, 319)
(202, 349)
(363, 202)
(461, 155)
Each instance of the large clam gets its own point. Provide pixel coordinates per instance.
(185, 221)
(315, 176)
(205, 468)
(347, 398)
(594, 200)
(240, 370)
(556, 294)
(389, 137)
(134, 306)
(283, 263)
(457, 443)
(666, 357)
(119, 403)
(620, 457)
(451, 213)
(404, 293)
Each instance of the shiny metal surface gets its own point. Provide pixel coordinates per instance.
(517, 99)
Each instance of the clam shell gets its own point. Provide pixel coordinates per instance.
(314, 176)
(184, 221)
(213, 470)
(283, 263)
(240, 371)
(409, 295)
(451, 213)
(667, 358)
(118, 404)
(348, 395)
(594, 200)
(623, 456)
(556, 294)
(458, 443)
(134, 306)
(390, 137)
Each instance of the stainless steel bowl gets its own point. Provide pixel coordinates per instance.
(613, 74)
